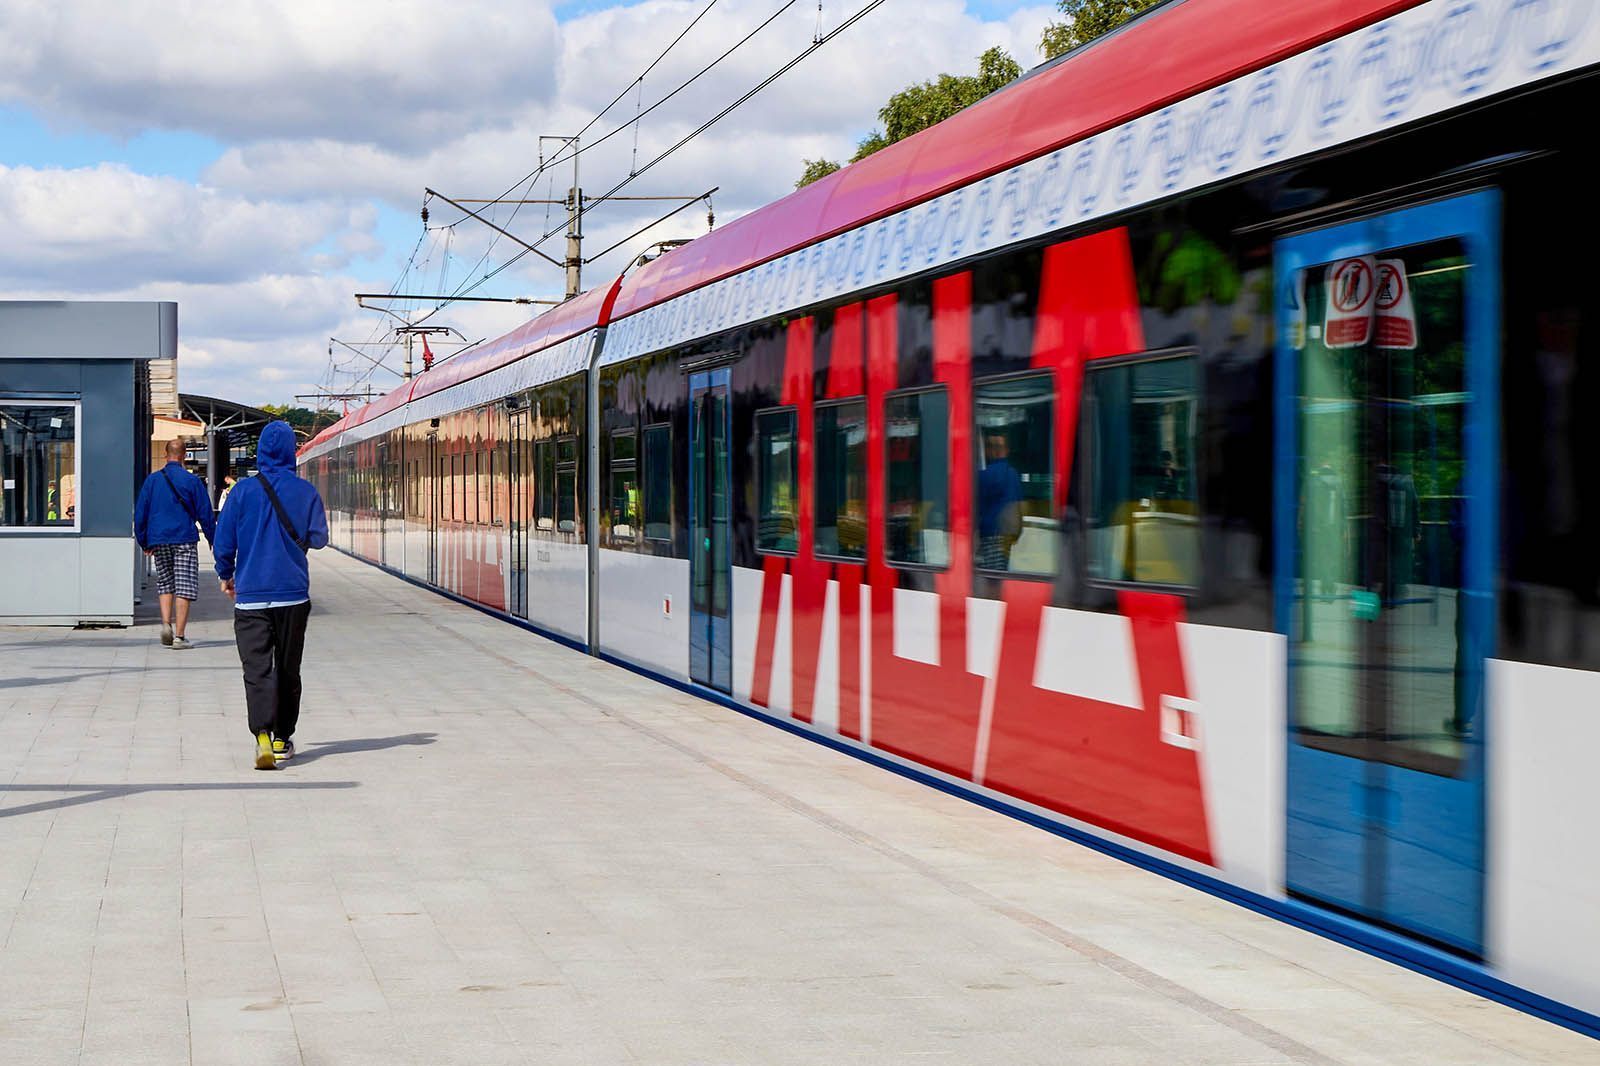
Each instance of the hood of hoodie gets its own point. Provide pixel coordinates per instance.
(275, 449)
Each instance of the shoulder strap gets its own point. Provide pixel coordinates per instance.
(283, 516)
(176, 495)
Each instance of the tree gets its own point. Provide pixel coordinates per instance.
(814, 169)
(302, 418)
(1086, 20)
(916, 107)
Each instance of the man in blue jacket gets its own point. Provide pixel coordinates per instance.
(268, 524)
(171, 502)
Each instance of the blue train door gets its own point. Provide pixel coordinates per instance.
(1387, 407)
(710, 572)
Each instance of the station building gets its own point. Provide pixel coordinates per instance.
(76, 422)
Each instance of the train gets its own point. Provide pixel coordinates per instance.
(1189, 449)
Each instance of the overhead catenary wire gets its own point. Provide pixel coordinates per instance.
(696, 76)
(549, 165)
(613, 247)
(591, 202)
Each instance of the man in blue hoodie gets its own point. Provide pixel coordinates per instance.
(171, 502)
(268, 524)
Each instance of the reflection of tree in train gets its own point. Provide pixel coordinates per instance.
(1187, 268)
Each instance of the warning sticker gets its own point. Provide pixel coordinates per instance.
(1397, 321)
(1351, 285)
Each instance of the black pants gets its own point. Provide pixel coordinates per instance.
(270, 644)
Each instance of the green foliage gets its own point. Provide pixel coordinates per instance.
(1086, 20)
(302, 417)
(1187, 269)
(916, 107)
(815, 168)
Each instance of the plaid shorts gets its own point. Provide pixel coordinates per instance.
(178, 570)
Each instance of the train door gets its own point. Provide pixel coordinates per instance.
(710, 570)
(1386, 482)
(521, 487)
(435, 491)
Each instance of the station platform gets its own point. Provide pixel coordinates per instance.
(493, 849)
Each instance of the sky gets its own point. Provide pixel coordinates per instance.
(262, 163)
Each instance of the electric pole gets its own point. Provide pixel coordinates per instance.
(574, 263)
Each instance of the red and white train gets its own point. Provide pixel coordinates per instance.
(1183, 448)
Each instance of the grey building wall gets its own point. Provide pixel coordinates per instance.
(88, 352)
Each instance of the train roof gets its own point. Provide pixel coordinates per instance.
(1146, 65)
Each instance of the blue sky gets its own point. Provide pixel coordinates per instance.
(268, 161)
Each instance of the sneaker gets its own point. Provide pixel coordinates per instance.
(180, 643)
(265, 760)
(282, 749)
(166, 634)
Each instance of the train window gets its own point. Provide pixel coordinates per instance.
(777, 480)
(1014, 459)
(458, 464)
(471, 460)
(485, 488)
(841, 480)
(498, 488)
(1142, 515)
(658, 482)
(624, 486)
(545, 483)
(567, 485)
(918, 444)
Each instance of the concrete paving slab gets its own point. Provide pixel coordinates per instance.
(493, 849)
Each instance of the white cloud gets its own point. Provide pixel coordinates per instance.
(106, 226)
(387, 71)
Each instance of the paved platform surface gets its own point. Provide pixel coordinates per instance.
(496, 850)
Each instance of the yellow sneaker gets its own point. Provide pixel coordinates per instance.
(282, 749)
(265, 760)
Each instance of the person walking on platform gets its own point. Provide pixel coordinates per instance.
(171, 503)
(267, 526)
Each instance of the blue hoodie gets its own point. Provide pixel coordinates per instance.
(160, 518)
(251, 546)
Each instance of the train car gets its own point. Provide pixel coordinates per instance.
(1183, 448)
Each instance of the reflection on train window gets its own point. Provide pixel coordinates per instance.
(38, 464)
(567, 485)
(624, 486)
(458, 483)
(545, 453)
(776, 468)
(918, 442)
(472, 488)
(1380, 624)
(1140, 418)
(1014, 459)
(842, 479)
(499, 492)
(658, 482)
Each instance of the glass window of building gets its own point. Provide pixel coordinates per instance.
(1142, 515)
(1015, 484)
(38, 464)
(842, 479)
(624, 486)
(777, 476)
(917, 431)
(658, 482)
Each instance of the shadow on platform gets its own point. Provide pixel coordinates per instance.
(345, 747)
(95, 793)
